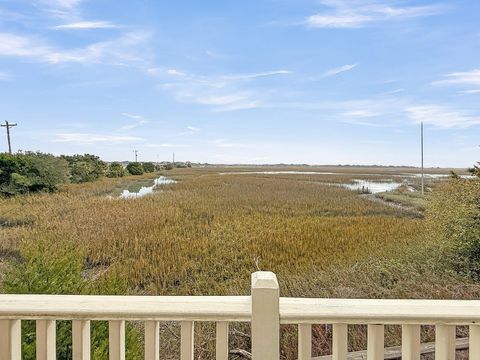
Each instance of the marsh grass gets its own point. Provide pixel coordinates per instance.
(206, 234)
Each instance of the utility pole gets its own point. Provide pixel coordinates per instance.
(421, 141)
(8, 126)
(136, 155)
(173, 159)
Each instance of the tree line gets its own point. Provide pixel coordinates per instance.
(27, 172)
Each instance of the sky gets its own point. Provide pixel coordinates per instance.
(251, 81)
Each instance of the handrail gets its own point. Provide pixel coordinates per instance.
(238, 308)
(371, 311)
(91, 307)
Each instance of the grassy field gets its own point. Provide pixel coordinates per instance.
(206, 234)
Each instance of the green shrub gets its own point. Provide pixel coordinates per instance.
(475, 170)
(51, 267)
(85, 168)
(453, 218)
(22, 173)
(135, 168)
(148, 167)
(116, 170)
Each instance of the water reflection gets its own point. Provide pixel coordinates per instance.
(145, 190)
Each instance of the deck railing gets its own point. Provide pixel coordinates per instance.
(264, 309)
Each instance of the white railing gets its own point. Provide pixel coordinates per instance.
(264, 309)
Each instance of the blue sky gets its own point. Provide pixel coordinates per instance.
(252, 81)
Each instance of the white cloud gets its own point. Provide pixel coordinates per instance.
(441, 116)
(340, 70)
(255, 75)
(225, 144)
(120, 51)
(4, 76)
(86, 25)
(166, 145)
(138, 121)
(470, 92)
(361, 113)
(360, 13)
(87, 138)
(132, 116)
(174, 72)
(68, 4)
(221, 92)
(193, 128)
(461, 78)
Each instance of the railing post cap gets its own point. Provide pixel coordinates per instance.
(264, 280)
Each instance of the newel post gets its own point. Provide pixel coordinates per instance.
(265, 316)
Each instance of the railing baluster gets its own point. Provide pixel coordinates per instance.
(152, 340)
(10, 339)
(46, 340)
(410, 342)
(81, 339)
(340, 342)
(375, 343)
(116, 338)
(304, 342)
(445, 342)
(187, 340)
(221, 345)
(474, 351)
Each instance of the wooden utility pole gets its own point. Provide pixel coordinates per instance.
(8, 126)
(423, 179)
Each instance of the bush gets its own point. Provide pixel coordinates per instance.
(475, 170)
(85, 168)
(148, 167)
(454, 219)
(31, 172)
(50, 266)
(135, 168)
(116, 170)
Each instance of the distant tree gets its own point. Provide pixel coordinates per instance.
(454, 175)
(85, 168)
(148, 167)
(135, 168)
(116, 170)
(475, 170)
(169, 166)
(31, 172)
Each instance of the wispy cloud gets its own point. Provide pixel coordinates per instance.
(339, 70)
(166, 145)
(138, 121)
(86, 25)
(190, 131)
(441, 116)
(222, 93)
(361, 113)
(120, 51)
(88, 138)
(470, 92)
(4, 76)
(461, 78)
(360, 13)
(227, 144)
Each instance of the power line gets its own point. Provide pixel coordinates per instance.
(8, 125)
